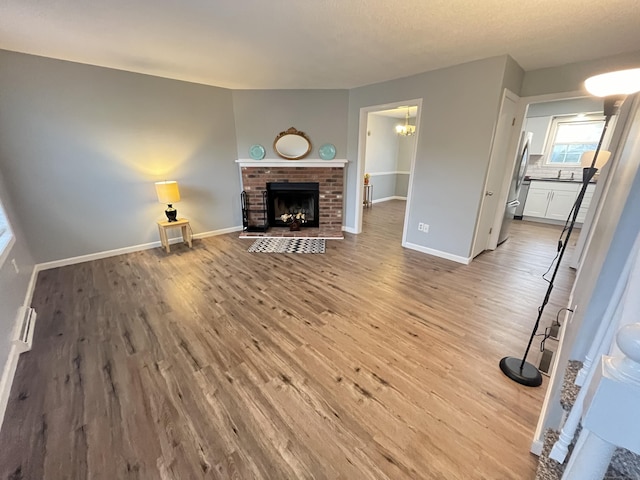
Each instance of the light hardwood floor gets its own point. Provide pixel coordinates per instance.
(368, 362)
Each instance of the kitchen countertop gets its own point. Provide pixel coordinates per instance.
(555, 179)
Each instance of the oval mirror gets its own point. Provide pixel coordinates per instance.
(292, 144)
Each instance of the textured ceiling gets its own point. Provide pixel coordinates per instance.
(315, 43)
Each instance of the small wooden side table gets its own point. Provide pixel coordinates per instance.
(368, 195)
(183, 223)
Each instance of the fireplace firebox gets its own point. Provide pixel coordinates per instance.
(293, 197)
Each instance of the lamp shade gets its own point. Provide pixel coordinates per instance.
(168, 192)
(622, 82)
(601, 161)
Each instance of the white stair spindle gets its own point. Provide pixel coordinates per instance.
(602, 340)
(610, 417)
(596, 450)
(561, 447)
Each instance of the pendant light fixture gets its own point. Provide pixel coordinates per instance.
(406, 130)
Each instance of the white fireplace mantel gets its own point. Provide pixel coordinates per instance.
(277, 162)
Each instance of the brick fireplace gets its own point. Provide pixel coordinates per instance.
(328, 174)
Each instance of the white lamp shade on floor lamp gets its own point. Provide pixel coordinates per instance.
(587, 158)
(622, 82)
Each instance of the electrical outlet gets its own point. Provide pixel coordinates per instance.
(15, 265)
(420, 227)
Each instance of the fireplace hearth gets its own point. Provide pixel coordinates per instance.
(293, 197)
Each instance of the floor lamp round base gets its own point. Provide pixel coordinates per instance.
(527, 375)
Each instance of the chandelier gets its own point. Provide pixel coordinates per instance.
(406, 130)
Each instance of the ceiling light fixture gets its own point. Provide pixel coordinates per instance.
(622, 82)
(406, 130)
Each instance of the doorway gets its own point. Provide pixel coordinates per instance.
(386, 155)
(544, 118)
(501, 165)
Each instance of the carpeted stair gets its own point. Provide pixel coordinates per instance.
(625, 465)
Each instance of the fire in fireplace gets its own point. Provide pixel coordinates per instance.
(293, 197)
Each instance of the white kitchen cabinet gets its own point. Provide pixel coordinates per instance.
(537, 202)
(560, 204)
(554, 200)
(586, 203)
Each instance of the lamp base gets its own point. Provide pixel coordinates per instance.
(172, 213)
(528, 375)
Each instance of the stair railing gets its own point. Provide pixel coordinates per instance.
(621, 310)
(611, 416)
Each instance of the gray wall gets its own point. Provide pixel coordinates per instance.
(459, 112)
(81, 146)
(405, 152)
(13, 286)
(381, 153)
(571, 77)
(513, 76)
(261, 114)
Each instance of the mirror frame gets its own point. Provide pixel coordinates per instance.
(291, 131)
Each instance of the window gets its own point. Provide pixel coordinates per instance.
(6, 236)
(572, 137)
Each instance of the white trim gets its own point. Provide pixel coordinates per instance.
(398, 172)
(548, 221)
(437, 253)
(349, 230)
(362, 142)
(536, 447)
(7, 379)
(215, 233)
(7, 237)
(6, 249)
(554, 126)
(386, 199)
(120, 251)
(28, 297)
(336, 162)
(538, 436)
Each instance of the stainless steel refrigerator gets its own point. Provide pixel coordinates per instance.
(516, 183)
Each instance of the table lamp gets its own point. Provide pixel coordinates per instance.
(168, 193)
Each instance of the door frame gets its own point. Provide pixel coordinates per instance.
(492, 241)
(362, 143)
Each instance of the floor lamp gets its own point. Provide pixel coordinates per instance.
(614, 87)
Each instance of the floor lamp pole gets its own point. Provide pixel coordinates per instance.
(519, 370)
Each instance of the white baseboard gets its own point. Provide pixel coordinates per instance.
(536, 447)
(548, 221)
(121, 251)
(7, 379)
(438, 253)
(386, 199)
(31, 287)
(349, 230)
(213, 233)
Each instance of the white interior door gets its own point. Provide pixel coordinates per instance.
(500, 170)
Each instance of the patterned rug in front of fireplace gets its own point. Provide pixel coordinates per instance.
(288, 245)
